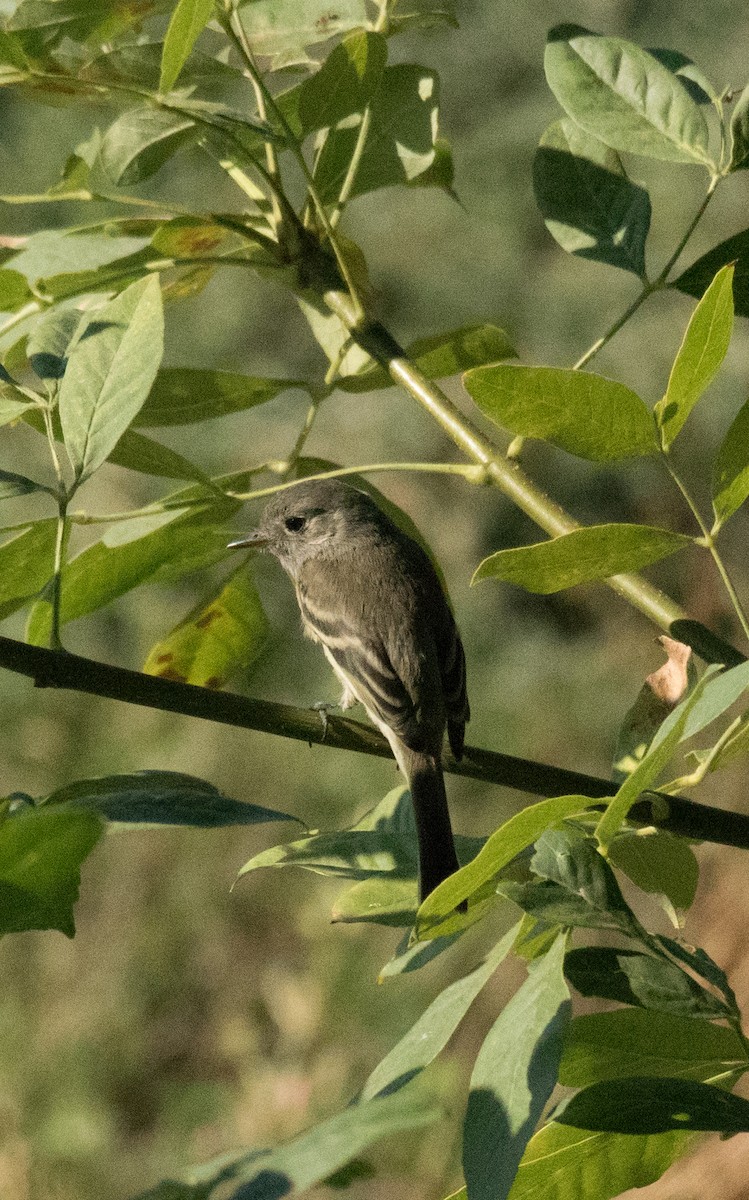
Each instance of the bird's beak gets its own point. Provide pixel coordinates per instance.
(251, 541)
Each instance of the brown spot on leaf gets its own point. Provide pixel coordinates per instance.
(175, 676)
(165, 658)
(215, 682)
(208, 617)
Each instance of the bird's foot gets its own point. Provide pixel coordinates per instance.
(322, 708)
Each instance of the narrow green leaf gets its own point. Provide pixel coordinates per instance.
(652, 1105)
(12, 52)
(109, 373)
(508, 841)
(187, 22)
(141, 140)
(630, 977)
(13, 403)
(614, 1045)
(26, 563)
(139, 453)
(345, 84)
(731, 470)
(699, 961)
(441, 355)
(435, 1026)
(14, 290)
(17, 485)
(717, 694)
(740, 133)
(184, 395)
(41, 851)
(216, 640)
(624, 96)
(111, 276)
(380, 900)
(590, 206)
(401, 142)
(697, 279)
(587, 415)
(647, 771)
(162, 798)
(700, 355)
(594, 552)
(658, 862)
(514, 1074)
(564, 1163)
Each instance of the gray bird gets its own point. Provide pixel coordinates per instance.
(371, 597)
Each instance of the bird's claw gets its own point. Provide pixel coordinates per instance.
(322, 708)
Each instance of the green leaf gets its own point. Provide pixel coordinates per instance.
(563, 1163)
(700, 355)
(109, 373)
(435, 1026)
(595, 418)
(216, 640)
(12, 52)
(514, 1074)
(138, 453)
(731, 470)
(148, 550)
(697, 279)
(345, 84)
(508, 841)
(630, 977)
(740, 133)
(716, 695)
(671, 732)
(658, 862)
(550, 903)
(13, 403)
(26, 563)
(380, 900)
(692, 78)
(401, 142)
(594, 552)
(439, 356)
(114, 275)
(328, 1147)
(14, 291)
(624, 96)
(570, 858)
(141, 140)
(614, 1045)
(187, 22)
(651, 1105)
(41, 851)
(699, 961)
(17, 485)
(50, 340)
(590, 206)
(184, 395)
(162, 798)
(282, 29)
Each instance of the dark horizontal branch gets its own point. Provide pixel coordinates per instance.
(57, 668)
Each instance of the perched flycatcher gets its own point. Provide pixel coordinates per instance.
(371, 597)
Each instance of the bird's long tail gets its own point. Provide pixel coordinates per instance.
(437, 857)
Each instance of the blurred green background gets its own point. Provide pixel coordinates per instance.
(185, 1019)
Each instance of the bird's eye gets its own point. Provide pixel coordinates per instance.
(294, 524)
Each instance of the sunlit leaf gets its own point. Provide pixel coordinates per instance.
(187, 22)
(740, 133)
(282, 29)
(345, 84)
(183, 395)
(14, 290)
(26, 563)
(441, 355)
(658, 862)
(731, 470)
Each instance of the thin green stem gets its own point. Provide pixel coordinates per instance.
(470, 473)
(304, 433)
(56, 598)
(614, 329)
(353, 167)
(19, 317)
(709, 542)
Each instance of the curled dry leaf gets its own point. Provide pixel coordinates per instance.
(661, 692)
(670, 682)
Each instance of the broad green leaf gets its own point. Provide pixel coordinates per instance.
(334, 338)
(401, 142)
(183, 237)
(439, 356)
(658, 862)
(614, 1045)
(590, 206)
(184, 395)
(697, 279)
(671, 732)
(162, 798)
(13, 403)
(141, 140)
(552, 904)
(508, 841)
(158, 549)
(731, 470)
(564, 1163)
(282, 29)
(717, 694)
(318, 1152)
(141, 63)
(655, 1105)
(379, 900)
(345, 84)
(26, 563)
(594, 552)
(740, 133)
(700, 355)
(14, 290)
(624, 96)
(139, 453)
(513, 1077)
(435, 1026)
(568, 857)
(109, 373)
(630, 977)
(595, 418)
(692, 78)
(216, 640)
(96, 21)
(17, 485)
(699, 961)
(187, 22)
(409, 958)
(50, 340)
(41, 851)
